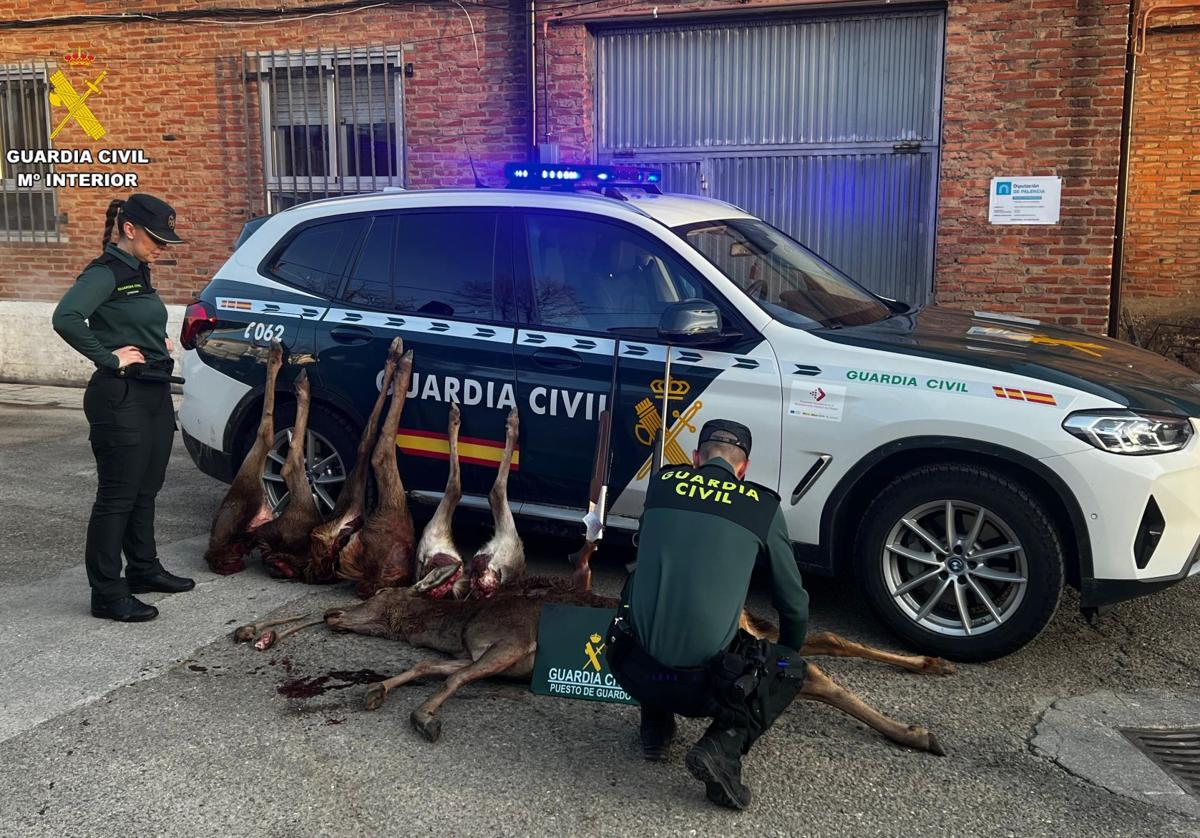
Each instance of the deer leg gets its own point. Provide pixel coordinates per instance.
(249, 631)
(832, 645)
(502, 516)
(269, 638)
(438, 560)
(453, 494)
(383, 459)
(820, 687)
(377, 692)
(502, 559)
(495, 660)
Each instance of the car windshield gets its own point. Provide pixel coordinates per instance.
(789, 282)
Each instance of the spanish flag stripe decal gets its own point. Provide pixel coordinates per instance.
(469, 440)
(445, 455)
(1024, 395)
(479, 453)
(1040, 398)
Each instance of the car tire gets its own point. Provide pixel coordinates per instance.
(1014, 561)
(329, 434)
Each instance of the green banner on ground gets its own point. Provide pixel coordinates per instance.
(570, 660)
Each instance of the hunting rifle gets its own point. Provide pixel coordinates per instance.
(597, 514)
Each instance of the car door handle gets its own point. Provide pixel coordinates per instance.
(557, 358)
(351, 335)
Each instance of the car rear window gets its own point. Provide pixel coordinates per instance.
(316, 257)
(445, 263)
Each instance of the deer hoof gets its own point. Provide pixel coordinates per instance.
(243, 634)
(427, 724)
(939, 666)
(935, 747)
(375, 696)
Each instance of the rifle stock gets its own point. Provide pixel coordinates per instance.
(597, 500)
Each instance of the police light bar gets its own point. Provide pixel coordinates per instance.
(565, 175)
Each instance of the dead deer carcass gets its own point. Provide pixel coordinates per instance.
(244, 508)
(380, 554)
(498, 637)
(284, 541)
(328, 539)
(439, 565)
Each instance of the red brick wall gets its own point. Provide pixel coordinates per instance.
(1161, 270)
(182, 79)
(1032, 87)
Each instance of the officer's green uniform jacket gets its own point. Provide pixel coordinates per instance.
(120, 306)
(702, 532)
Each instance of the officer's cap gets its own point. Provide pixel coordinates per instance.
(728, 431)
(153, 215)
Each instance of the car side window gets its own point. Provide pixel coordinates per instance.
(370, 281)
(445, 264)
(598, 276)
(315, 259)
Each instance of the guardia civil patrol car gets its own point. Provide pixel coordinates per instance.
(964, 465)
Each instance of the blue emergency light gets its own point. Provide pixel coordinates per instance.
(567, 176)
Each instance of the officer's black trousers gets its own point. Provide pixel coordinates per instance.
(707, 691)
(132, 430)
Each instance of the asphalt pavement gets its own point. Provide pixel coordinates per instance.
(169, 728)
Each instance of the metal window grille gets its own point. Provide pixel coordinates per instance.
(28, 208)
(332, 122)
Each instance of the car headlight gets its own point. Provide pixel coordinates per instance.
(1126, 432)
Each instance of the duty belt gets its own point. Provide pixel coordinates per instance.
(158, 372)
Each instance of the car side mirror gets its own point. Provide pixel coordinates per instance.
(690, 323)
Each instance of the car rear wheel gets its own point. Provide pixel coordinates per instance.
(329, 449)
(961, 561)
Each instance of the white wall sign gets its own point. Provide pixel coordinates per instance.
(1024, 200)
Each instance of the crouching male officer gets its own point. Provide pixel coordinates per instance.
(675, 644)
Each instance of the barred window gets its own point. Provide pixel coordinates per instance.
(331, 123)
(27, 206)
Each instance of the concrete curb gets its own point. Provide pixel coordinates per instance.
(1082, 735)
(30, 351)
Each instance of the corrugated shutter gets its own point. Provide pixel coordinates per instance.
(827, 127)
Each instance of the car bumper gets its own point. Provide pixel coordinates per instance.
(209, 460)
(1097, 593)
(1142, 516)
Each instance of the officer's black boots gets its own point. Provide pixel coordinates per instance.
(657, 731)
(716, 761)
(160, 581)
(125, 609)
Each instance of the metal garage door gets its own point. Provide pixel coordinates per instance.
(827, 127)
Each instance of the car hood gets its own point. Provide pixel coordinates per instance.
(1107, 368)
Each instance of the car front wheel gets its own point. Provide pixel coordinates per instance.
(960, 560)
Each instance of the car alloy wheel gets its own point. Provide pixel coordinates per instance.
(323, 467)
(955, 568)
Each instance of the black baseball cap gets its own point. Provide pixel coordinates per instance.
(728, 431)
(154, 215)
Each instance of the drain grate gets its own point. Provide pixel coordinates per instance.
(1175, 750)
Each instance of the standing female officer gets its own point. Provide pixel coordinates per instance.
(114, 317)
